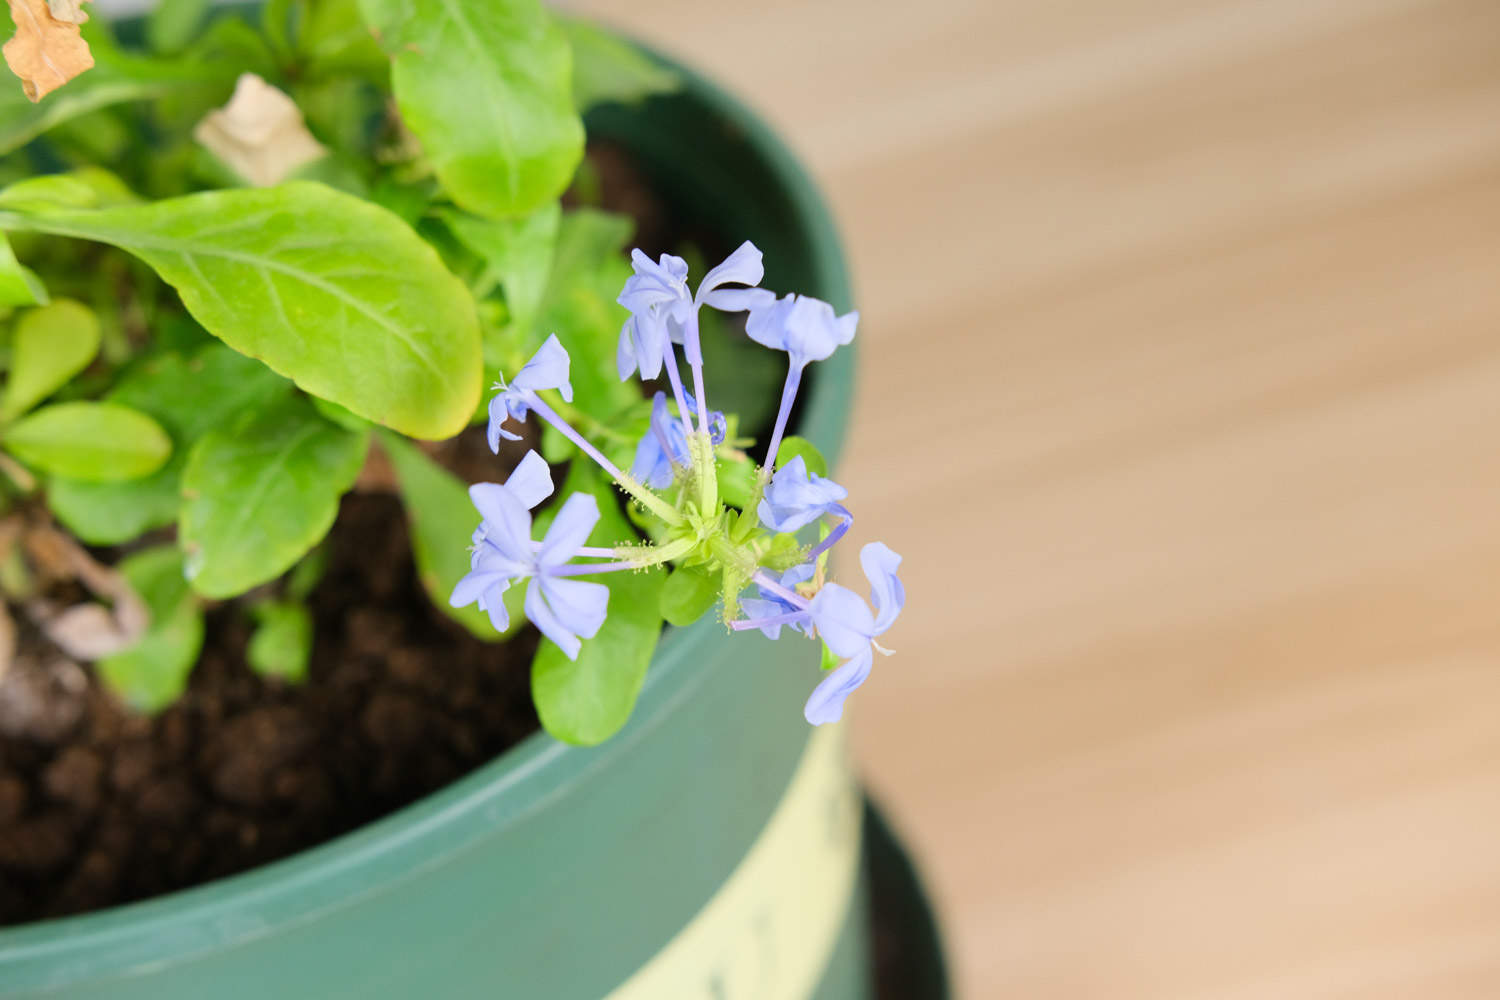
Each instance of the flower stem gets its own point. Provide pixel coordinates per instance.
(790, 618)
(788, 395)
(584, 569)
(650, 500)
(768, 582)
(675, 377)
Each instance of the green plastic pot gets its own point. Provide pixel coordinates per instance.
(710, 849)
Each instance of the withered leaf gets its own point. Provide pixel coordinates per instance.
(44, 52)
(259, 134)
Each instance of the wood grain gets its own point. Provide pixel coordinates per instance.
(1181, 396)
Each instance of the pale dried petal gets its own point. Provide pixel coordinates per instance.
(259, 134)
(70, 11)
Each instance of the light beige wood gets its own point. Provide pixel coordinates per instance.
(1181, 335)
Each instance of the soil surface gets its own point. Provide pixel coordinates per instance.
(100, 806)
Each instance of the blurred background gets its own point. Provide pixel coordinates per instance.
(1181, 396)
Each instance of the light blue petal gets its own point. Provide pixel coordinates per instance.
(547, 369)
(766, 323)
(886, 591)
(739, 299)
(531, 481)
(745, 266)
(546, 621)
(842, 618)
(493, 603)
(827, 701)
(755, 608)
(469, 589)
(580, 605)
(625, 361)
(507, 521)
(569, 530)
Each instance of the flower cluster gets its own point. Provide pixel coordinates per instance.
(675, 477)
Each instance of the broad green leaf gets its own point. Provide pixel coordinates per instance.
(50, 346)
(188, 397)
(19, 285)
(281, 645)
(98, 442)
(736, 481)
(688, 593)
(586, 701)
(517, 254)
(792, 446)
(260, 492)
(174, 23)
(442, 520)
(606, 68)
(153, 673)
(486, 85)
(331, 291)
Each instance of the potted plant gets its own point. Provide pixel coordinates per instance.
(244, 395)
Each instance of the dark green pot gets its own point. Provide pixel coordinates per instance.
(710, 849)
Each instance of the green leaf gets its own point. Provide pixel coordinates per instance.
(331, 291)
(607, 68)
(51, 345)
(517, 253)
(828, 659)
(586, 701)
(98, 442)
(588, 270)
(486, 86)
(442, 520)
(281, 645)
(792, 446)
(174, 23)
(188, 397)
(736, 481)
(87, 187)
(19, 285)
(260, 492)
(153, 673)
(688, 592)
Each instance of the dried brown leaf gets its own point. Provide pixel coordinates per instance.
(44, 52)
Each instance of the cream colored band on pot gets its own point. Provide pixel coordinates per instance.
(769, 932)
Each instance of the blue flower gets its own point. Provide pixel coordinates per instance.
(661, 308)
(563, 609)
(771, 605)
(797, 497)
(663, 448)
(655, 294)
(849, 629)
(547, 369)
(806, 328)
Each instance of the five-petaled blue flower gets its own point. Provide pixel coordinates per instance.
(664, 448)
(547, 369)
(563, 609)
(797, 497)
(848, 628)
(805, 327)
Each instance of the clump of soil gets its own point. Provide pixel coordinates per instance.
(100, 806)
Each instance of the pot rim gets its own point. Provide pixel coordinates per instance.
(518, 782)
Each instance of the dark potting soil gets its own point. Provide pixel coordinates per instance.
(100, 806)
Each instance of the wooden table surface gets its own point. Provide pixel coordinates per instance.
(1181, 396)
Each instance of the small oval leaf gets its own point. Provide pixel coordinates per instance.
(51, 345)
(93, 442)
(261, 492)
(151, 674)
